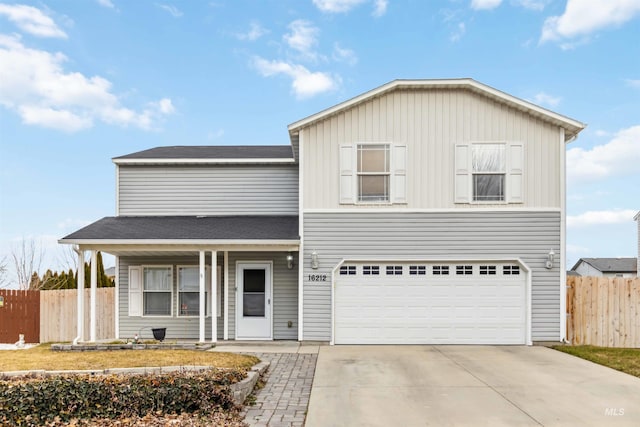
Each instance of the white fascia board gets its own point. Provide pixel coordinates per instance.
(573, 126)
(200, 161)
(637, 217)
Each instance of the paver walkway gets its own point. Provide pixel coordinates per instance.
(285, 397)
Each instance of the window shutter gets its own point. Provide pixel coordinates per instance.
(399, 174)
(347, 174)
(135, 291)
(515, 173)
(462, 173)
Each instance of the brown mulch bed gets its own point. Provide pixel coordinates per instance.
(230, 419)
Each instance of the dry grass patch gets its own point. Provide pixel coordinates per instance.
(626, 360)
(41, 357)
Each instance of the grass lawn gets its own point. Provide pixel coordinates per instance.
(626, 360)
(41, 357)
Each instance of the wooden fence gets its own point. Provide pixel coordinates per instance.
(19, 314)
(58, 314)
(603, 311)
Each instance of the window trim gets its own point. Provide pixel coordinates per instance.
(503, 173)
(389, 174)
(171, 287)
(207, 292)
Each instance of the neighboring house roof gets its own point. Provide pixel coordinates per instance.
(186, 229)
(572, 273)
(610, 265)
(572, 127)
(210, 154)
(110, 272)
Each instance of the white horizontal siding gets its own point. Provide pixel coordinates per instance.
(207, 190)
(525, 235)
(430, 123)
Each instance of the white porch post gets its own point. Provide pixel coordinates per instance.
(202, 296)
(92, 296)
(226, 295)
(214, 295)
(80, 325)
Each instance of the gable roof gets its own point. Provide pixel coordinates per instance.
(572, 127)
(210, 154)
(186, 229)
(637, 217)
(611, 265)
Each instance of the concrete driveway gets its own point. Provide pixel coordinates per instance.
(467, 386)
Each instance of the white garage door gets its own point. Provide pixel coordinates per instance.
(430, 303)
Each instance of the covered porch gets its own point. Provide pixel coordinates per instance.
(202, 278)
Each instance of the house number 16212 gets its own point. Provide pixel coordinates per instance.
(317, 277)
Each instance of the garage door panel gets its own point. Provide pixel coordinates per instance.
(401, 308)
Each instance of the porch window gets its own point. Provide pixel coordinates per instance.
(189, 291)
(157, 288)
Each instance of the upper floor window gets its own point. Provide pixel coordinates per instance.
(489, 169)
(489, 172)
(373, 172)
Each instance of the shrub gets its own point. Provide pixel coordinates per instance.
(36, 401)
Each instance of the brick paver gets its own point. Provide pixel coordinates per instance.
(285, 397)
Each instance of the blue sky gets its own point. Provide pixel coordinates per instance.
(84, 81)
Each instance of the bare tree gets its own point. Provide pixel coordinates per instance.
(68, 258)
(27, 258)
(4, 274)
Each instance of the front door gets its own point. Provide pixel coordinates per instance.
(253, 308)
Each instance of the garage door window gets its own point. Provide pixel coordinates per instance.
(371, 270)
(349, 270)
(510, 270)
(440, 270)
(417, 270)
(489, 270)
(464, 269)
(394, 270)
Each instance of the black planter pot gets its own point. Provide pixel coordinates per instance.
(159, 333)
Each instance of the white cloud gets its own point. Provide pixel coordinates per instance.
(634, 83)
(620, 156)
(32, 20)
(589, 218)
(380, 7)
(174, 11)
(537, 5)
(577, 249)
(215, 135)
(255, 32)
(458, 32)
(546, 99)
(305, 83)
(341, 54)
(581, 18)
(485, 4)
(34, 84)
(337, 6)
(602, 133)
(106, 3)
(303, 37)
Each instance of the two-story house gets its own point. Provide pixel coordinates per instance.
(421, 212)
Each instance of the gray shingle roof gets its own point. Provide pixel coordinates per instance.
(214, 152)
(237, 227)
(610, 265)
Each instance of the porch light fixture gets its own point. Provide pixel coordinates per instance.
(314, 260)
(549, 263)
(289, 261)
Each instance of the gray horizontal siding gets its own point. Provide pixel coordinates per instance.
(177, 327)
(285, 297)
(285, 292)
(525, 235)
(207, 190)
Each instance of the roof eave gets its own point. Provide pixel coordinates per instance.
(572, 127)
(200, 161)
